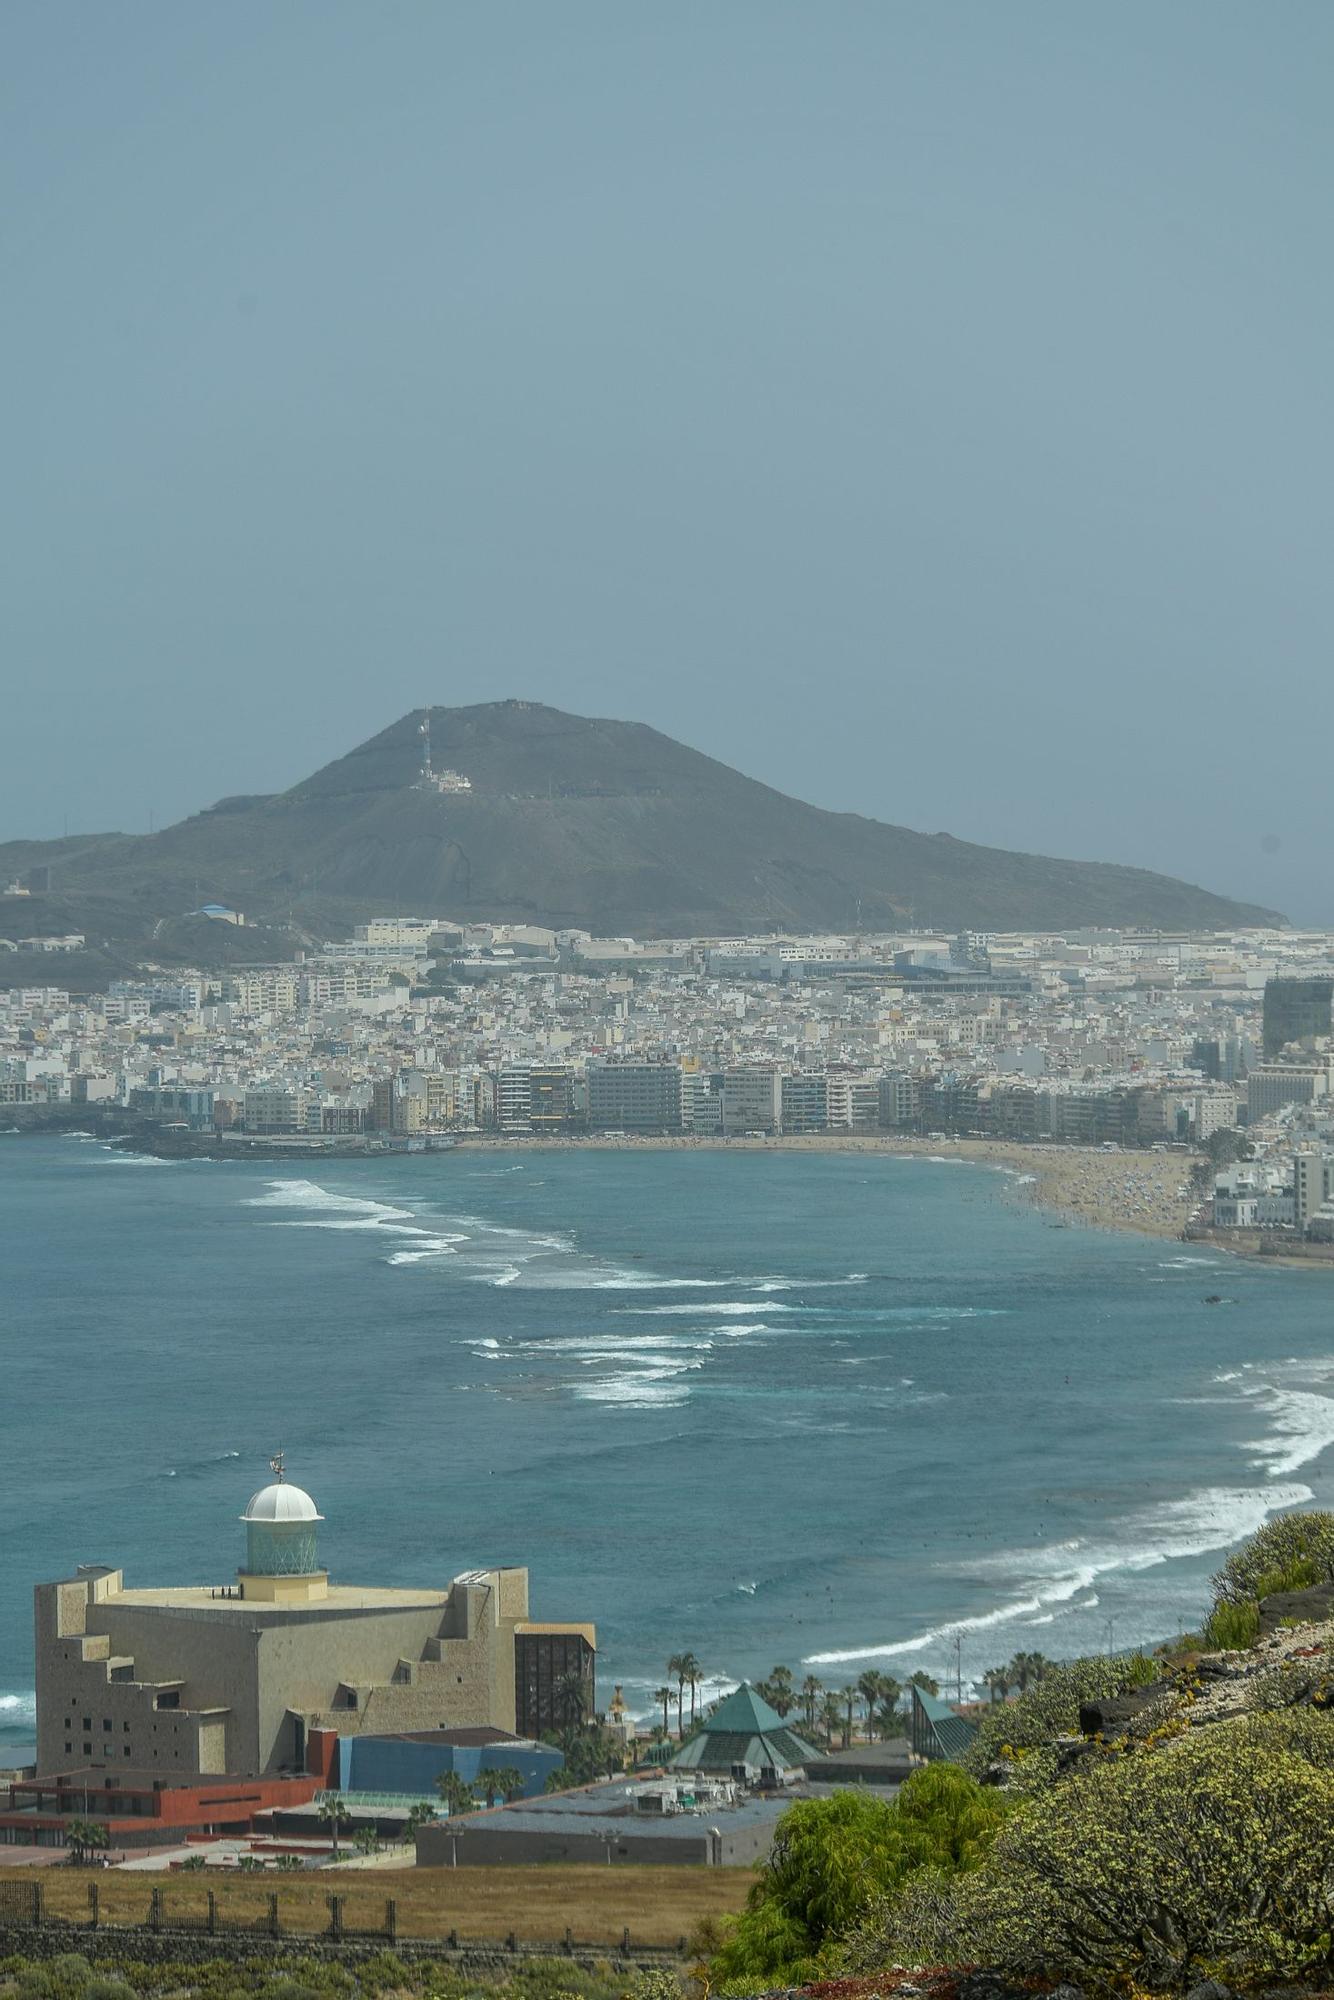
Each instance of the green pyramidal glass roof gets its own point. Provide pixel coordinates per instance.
(743, 1713)
(744, 1730)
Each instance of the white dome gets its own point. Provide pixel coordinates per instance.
(281, 1502)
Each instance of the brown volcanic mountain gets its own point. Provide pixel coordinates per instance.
(571, 821)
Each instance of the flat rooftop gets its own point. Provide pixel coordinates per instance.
(338, 1597)
(611, 1808)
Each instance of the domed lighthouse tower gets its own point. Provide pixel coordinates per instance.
(282, 1562)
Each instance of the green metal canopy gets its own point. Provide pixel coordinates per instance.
(939, 1731)
(743, 1729)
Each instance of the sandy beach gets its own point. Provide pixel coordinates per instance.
(1145, 1192)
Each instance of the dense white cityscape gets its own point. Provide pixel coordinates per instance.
(420, 1031)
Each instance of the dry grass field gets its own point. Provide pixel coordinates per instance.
(657, 1905)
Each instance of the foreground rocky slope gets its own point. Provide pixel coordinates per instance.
(1143, 1824)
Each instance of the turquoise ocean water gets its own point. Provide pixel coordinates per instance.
(824, 1408)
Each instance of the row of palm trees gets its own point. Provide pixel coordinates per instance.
(834, 1711)
(84, 1838)
(1018, 1674)
(831, 1711)
(686, 1671)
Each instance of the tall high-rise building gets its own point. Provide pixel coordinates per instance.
(1297, 1010)
(634, 1097)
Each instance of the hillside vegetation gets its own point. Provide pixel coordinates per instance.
(1132, 1825)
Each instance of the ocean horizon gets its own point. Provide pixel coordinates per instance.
(838, 1410)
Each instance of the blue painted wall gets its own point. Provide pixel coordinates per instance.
(388, 1764)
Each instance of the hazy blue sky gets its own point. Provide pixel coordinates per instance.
(925, 407)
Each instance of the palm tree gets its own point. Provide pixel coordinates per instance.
(333, 1811)
(872, 1686)
(850, 1697)
(811, 1690)
(420, 1815)
(664, 1695)
(571, 1699)
(505, 1781)
(1028, 1667)
(924, 1682)
(778, 1691)
(998, 1681)
(366, 1840)
(676, 1670)
(831, 1717)
(85, 1836)
(889, 1716)
(694, 1674)
(456, 1794)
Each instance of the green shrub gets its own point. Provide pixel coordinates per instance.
(304, 1978)
(1021, 1734)
(1295, 1684)
(1299, 1574)
(833, 1858)
(63, 1977)
(1231, 1628)
(1289, 1545)
(1211, 1856)
(654, 1983)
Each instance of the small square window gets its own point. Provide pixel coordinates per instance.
(68, 1748)
(106, 1722)
(126, 1727)
(87, 1749)
(87, 1721)
(127, 1749)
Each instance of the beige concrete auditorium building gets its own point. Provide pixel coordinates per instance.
(232, 1677)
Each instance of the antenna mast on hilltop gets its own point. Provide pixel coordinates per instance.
(432, 780)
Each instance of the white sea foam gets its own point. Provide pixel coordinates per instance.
(627, 1344)
(1301, 1428)
(301, 1194)
(802, 1284)
(429, 1248)
(1211, 1519)
(645, 1388)
(713, 1306)
(1296, 1399)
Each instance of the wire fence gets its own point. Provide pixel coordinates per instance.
(23, 1905)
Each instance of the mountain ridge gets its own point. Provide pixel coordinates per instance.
(590, 823)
